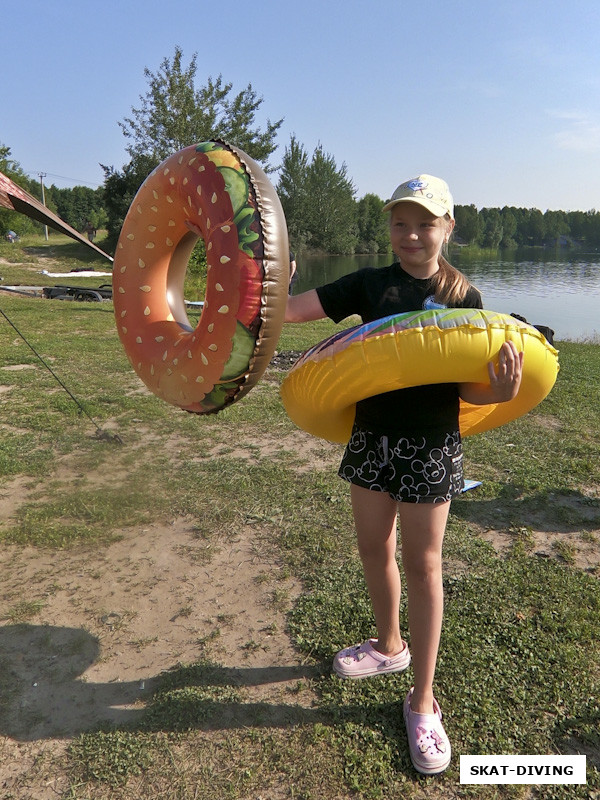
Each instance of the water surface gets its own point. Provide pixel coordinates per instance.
(547, 287)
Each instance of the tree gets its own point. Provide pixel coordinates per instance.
(291, 188)
(13, 220)
(577, 221)
(318, 201)
(9, 167)
(492, 231)
(585, 226)
(174, 114)
(119, 190)
(535, 227)
(467, 223)
(330, 207)
(79, 206)
(555, 226)
(509, 228)
(372, 225)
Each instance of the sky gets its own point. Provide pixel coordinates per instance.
(500, 99)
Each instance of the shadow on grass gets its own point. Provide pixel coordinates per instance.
(518, 662)
(43, 696)
(66, 250)
(556, 512)
(501, 669)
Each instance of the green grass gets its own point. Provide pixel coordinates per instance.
(518, 667)
(26, 259)
(23, 611)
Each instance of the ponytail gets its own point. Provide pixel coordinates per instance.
(449, 284)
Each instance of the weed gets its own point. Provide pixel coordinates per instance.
(251, 646)
(111, 757)
(565, 550)
(23, 611)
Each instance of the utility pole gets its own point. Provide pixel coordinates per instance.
(42, 176)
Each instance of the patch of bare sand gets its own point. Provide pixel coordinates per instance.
(109, 622)
(13, 493)
(310, 454)
(581, 550)
(567, 528)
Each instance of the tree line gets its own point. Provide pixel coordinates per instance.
(318, 196)
(511, 227)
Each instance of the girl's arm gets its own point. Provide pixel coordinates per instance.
(504, 382)
(304, 307)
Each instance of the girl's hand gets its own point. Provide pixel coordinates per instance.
(506, 379)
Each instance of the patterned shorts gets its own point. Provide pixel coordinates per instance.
(410, 469)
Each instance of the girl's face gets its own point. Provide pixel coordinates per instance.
(417, 237)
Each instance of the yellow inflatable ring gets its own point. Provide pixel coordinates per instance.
(216, 192)
(452, 345)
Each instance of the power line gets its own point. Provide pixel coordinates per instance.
(76, 181)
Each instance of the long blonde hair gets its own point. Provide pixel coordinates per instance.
(449, 284)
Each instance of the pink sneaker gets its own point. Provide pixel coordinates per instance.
(363, 661)
(429, 747)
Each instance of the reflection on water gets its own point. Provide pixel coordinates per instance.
(547, 287)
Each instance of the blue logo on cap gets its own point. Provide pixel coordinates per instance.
(416, 185)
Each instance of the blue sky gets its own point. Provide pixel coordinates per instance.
(501, 99)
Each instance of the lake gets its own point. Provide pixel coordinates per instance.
(560, 289)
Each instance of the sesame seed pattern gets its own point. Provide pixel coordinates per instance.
(187, 188)
(217, 193)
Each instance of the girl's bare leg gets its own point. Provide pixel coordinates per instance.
(375, 521)
(422, 532)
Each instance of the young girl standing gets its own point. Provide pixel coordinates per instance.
(404, 457)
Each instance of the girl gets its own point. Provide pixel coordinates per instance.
(404, 457)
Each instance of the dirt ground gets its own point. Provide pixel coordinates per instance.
(111, 621)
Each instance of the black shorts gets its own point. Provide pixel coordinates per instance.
(419, 469)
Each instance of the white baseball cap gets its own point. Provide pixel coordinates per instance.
(426, 190)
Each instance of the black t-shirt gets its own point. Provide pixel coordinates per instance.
(373, 293)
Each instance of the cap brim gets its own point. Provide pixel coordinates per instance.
(434, 208)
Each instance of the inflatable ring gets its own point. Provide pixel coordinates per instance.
(452, 345)
(216, 192)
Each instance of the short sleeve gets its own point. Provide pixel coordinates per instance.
(472, 298)
(343, 297)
